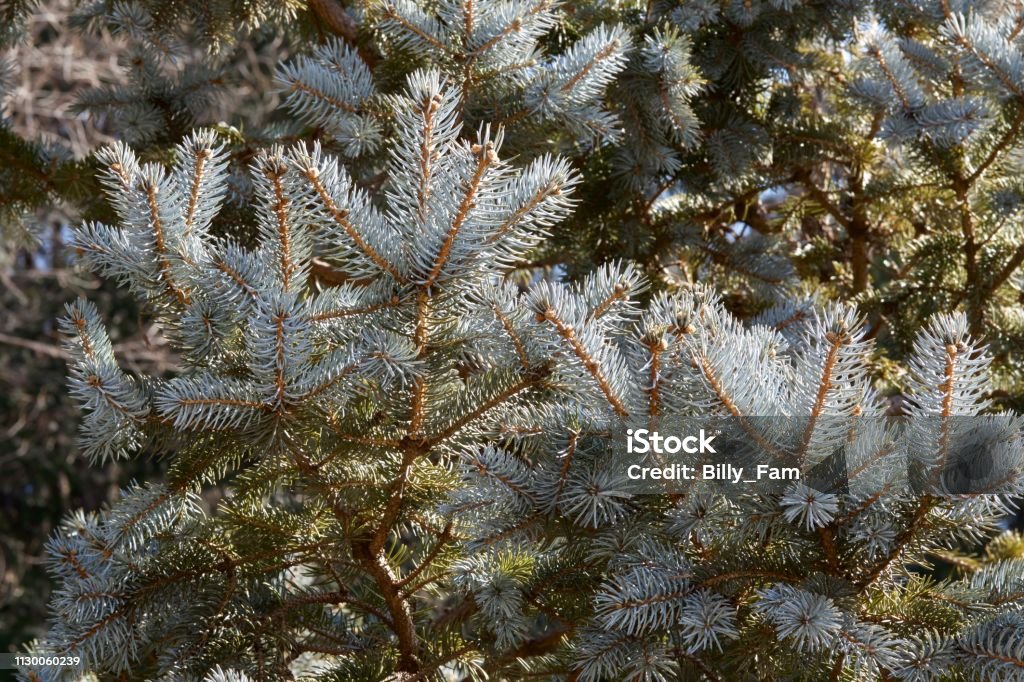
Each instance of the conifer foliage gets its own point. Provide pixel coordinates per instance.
(414, 445)
(417, 458)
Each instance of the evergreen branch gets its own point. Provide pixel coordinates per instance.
(319, 389)
(924, 506)
(412, 450)
(649, 202)
(330, 636)
(601, 55)
(418, 407)
(280, 208)
(864, 506)
(468, 12)
(946, 389)
(656, 348)
(961, 190)
(529, 380)
(592, 365)
(299, 86)
(428, 108)
(826, 537)
(427, 671)
(278, 321)
(1011, 266)
(227, 565)
(495, 538)
(236, 277)
(505, 480)
(80, 323)
(220, 402)
(229, 592)
(704, 364)
(412, 589)
(822, 199)
(114, 615)
(503, 71)
(987, 60)
(375, 411)
(487, 156)
(308, 647)
(121, 173)
(70, 557)
(96, 382)
(340, 596)
(563, 472)
(97, 543)
(508, 120)
(535, 200)
(608, 645)
(749, 573)
(392, 13)
(541, 645)
(419, 387)
(340, 217)
(837, 667)
(506, 324)
(897, 88)
(440, 543)
(981, 652)
(362, 440)
(335, 18)
(836, 342)
(323, 272)
(161, 247)
(512, 27)
(797, 317)
(1005, 141)
(723, 259)
(202, 156)
(1008, 598)
(351, 312)
(618, 293)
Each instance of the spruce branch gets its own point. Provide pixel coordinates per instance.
(416, 430)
